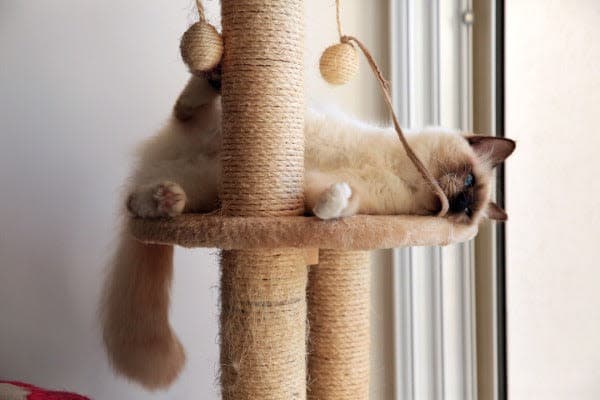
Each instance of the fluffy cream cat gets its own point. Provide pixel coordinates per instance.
(350, 168)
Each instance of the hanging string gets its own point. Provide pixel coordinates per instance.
(338, 18)
(200, 8)
(385, 88)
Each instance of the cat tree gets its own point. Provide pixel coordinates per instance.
(266, 306)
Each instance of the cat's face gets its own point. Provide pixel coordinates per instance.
(465, 174)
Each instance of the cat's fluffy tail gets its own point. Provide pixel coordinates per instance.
(134, 314)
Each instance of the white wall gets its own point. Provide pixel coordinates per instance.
(553, 106)
(81, 82)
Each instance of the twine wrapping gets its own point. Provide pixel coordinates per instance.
(263, 292)
(263, 108)
(338, 311)
(263, 325)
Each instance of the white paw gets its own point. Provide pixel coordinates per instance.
(166, 199)
(333, 201)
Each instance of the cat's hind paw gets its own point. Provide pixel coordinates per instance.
(166, 199)
(170, 199)
(333, 201)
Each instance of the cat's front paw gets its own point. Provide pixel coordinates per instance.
(333, 201)
(166, 199)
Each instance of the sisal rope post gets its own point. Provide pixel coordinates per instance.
(263, 322)
(339, 339)
(263, 292)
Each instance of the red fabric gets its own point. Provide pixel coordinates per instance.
(36, 393)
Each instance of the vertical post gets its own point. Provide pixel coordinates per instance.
(263, 298)
(339, 340)
(263, 107)
(263, 325)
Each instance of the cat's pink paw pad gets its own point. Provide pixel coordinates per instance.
(170, 199)
(333, 201)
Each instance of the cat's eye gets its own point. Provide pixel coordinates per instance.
(468, 212)
(469, 180)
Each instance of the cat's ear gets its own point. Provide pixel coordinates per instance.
(495, 212)
(493, 148)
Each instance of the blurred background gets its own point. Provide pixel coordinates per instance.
(514, 314)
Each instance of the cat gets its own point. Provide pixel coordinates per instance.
(367, 172)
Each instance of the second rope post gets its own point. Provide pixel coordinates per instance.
(339, 339)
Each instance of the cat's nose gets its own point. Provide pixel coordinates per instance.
(459, 203)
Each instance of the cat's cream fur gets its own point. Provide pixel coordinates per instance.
(350, 168)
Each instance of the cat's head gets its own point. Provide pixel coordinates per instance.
(464, 169)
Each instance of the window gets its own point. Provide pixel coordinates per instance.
(434, 288)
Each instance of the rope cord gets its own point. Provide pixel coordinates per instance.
(200, 8)
(385, 88)
(338, 18)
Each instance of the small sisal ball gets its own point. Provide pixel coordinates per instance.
(201, 47)
(339, 63)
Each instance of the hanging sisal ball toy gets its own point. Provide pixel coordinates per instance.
(201, 45)
(339, 63)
